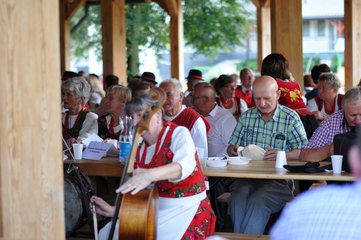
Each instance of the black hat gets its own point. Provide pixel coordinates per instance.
(68, 75)
(195, 74)
(149, 77)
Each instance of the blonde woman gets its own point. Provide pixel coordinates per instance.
(110, 125)
(96, 92)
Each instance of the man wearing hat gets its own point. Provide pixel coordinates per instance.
(194, 77)
(149, 78)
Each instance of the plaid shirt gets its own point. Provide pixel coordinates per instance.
(333, 125)
(331, 212)
(284, 131)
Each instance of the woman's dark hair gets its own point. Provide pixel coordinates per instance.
(317, 70)
(276, 66)
(222, 81)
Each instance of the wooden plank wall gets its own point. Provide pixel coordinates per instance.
(31, 185)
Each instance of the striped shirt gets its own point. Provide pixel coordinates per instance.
(284, 131)
(333, 125)
(331, 212)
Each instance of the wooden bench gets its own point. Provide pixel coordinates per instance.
(238, 236)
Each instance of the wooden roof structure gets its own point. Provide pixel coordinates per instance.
(31, 61)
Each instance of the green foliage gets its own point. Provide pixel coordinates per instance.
(309, 62)
(210, 26)
(87, 34)
(336, 62)
(214, 25)
(248, 63)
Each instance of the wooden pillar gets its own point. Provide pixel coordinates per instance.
(263, 30)
(113, 39)
(352, 32)
(286, 34)
(177, 42)
(64, 37)
(31, 185)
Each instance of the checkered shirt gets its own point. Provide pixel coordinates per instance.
(333, 125)
(284, 131)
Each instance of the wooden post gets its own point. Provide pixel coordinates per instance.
(263, 31)
(114, 37)
(286, 34)
(31, 185)
(64, 37)
(352, 43)
(177, 42)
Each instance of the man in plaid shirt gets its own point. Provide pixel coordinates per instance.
(320, 145)
(273, 127)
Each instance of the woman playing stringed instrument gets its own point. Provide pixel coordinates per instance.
(167, 158)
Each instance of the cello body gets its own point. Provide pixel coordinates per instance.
(138, 215)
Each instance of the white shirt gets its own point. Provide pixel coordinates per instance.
(90, 124)
(198, 132)
(312, 106)
(222, 125)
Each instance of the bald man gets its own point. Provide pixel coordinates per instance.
(272, 127)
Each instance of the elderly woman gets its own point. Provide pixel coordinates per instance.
(110, 126)
(329, 100)
(167, 158)
(78, 123)
(225, 87)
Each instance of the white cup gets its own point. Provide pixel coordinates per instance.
(78, 150)
(281, 159)
(336, 163)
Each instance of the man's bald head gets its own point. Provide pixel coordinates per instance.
(266, 82)
(266, 95)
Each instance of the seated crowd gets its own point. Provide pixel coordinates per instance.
(213, 121)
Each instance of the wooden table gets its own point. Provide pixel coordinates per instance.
(108, 167)
(267, 170)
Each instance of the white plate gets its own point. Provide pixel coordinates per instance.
(216, 162)
(238, 160)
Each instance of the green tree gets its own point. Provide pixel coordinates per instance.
(210, 26)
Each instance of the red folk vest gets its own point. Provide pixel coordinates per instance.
(188, 117)
(192, 185)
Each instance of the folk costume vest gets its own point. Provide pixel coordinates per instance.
(247, 97)
(163, 155)
(188, 117)
(74, 131)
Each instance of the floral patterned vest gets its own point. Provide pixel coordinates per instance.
(192, 185)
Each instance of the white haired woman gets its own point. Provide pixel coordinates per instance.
(328, 100)
(78, 123)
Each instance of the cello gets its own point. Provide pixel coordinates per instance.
(137, 214)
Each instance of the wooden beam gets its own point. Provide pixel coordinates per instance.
(263, 32)
(114, 39)
(64, 30)
(177, 42)
(32, 191)
(170, 6)
(261, 3)
(286, 34)
(73, 6)
(352, 22)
